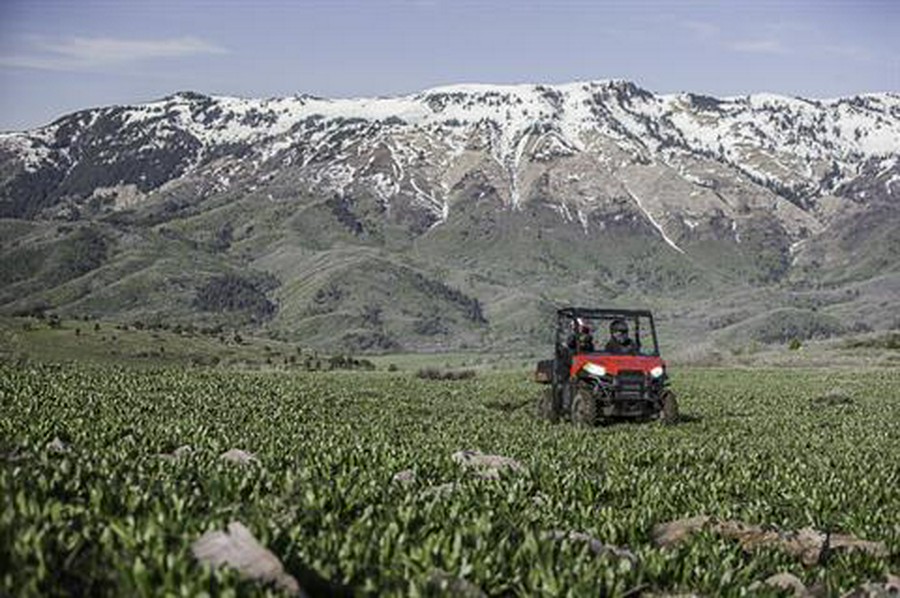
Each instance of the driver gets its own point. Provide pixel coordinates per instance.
(619, 342)
(581, 340)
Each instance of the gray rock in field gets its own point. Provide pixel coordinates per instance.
(57, 446)
(445, 584)
(890, 588)
(674, 532)
(486, 466)
(15, 456)
(540, 500)
(596, 546)
(238, 549)
(181, 451)
(238, 456)
(809, 545)
(832, 398)
(487, 474)
(405, 477)
(786, 582)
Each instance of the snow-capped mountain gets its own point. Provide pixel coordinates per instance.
(767, 177)
(420, 145)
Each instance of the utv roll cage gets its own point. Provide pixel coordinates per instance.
(569, 314)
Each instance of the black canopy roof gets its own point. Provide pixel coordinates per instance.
(591, 312)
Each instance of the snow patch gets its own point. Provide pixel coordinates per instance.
(895, 178)
(734, 230)
(653, 220)
(582, 218)
(437, 205)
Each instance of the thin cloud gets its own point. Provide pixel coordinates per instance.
(760, 46)
(847, 51)
(83, 53)
(702, 29)
(782, 28)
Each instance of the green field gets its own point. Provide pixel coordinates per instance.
(91, 504)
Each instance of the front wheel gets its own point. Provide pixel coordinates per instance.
(584, 408)
(669, 411)
(547, 406)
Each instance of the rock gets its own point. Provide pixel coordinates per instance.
(238, 456)
(15, 456)
(833, 398)
(540, 500)
(669, 534)
(238, 549)
(786, 582)
(892, 583)
(851, 543)
(442, 583)
(486, 466)
(488, 474)
(57, 446)
(890, 588)
(405, 477)
(809, 545)
(805, 544)
(181, 451)
(596, 546)
(439, 490)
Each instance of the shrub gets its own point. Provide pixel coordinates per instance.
(781, 326)
(438, 374)
(231, 293)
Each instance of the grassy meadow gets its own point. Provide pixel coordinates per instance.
(110, 473)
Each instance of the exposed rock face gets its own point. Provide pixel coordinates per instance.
(676, 161)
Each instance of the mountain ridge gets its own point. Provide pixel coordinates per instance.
(667, 195)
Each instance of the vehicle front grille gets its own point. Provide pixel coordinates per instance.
(630, 384)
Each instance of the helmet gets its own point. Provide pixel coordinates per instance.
(618, 326)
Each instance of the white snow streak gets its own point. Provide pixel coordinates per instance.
(433, 202)
(653, 220)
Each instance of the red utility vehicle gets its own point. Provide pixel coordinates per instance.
(606, 366)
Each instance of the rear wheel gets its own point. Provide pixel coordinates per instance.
(669, 412)
(547, 406)
(584, 408)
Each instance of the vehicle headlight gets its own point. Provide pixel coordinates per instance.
(594, 369)
(657, 372)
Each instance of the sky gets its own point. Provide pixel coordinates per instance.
(59, 56)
